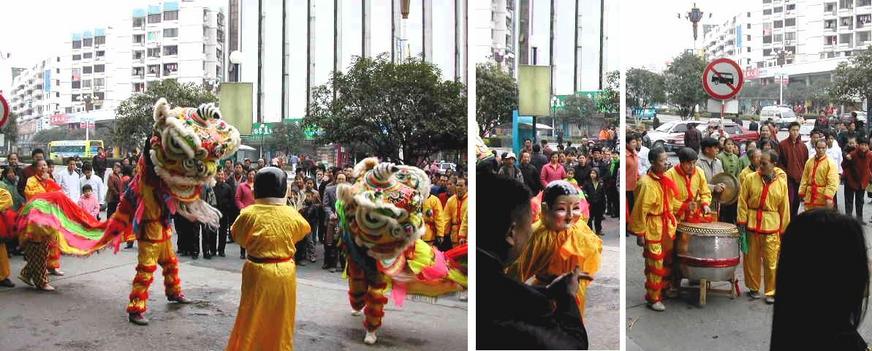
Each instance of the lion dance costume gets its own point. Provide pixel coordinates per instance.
(382, 221)
(180, 157)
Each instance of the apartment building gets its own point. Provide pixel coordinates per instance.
(36, 95)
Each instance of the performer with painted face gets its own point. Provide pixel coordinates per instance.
(560, 242)
(269, 230)
(820, 179)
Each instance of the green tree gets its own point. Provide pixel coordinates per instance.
(135, 116)
(852, 80)
(10, 130)
(496, 96)
(392, 109)
(577, 109)
(609, 100)
(287, 137)
(683, 82)
(645, 88)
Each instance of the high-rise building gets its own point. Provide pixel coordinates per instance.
(36, 96)
(499, 47)
(738, 38)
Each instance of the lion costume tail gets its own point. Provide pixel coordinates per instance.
(53, 215)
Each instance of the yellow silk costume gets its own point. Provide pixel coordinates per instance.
(33, 187)
(432, 212)
(453, 219)
(265, 320)
(690, 187)
(764, 210)
(652, 218)
(550, 253)
(5, 204)
(820, 181)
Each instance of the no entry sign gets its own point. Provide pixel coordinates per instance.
(722, 79)
(4, 111)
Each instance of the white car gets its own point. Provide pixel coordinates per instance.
(781, 115)
(667, 131)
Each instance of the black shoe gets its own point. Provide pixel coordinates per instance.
(301, 263)
(7, 283)
(332, 269)
(195, 255)
(137, 318)
(180, 299)
(207, 256)
(241, 256)
(324, 267)
(221, 254)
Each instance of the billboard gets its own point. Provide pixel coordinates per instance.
(234, 99)
(534, 90)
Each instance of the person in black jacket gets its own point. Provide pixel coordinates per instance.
(100, 163)
(595, 191)
(582, 170)
(510, 314)
(530, 174)
(225, 194)
(538, 159)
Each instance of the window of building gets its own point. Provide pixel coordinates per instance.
(767, 39)
(138, 87)
(77, 84)
(154, 69)
(86, 83)
(87, 42)
(154, 52)
(846, 4)
(77, 73)
(170, 32)
(171, 50)
(789, 22)
(845, 39)
(830, 40)
(830, 24)
(748, 49)
(767, 12)
(778, 9)
(864, 3)
(101, 53)
(170, 68)
(88, 55)
(77, 44)
(77, 57)
(137, 55)
(779, 38)
(790, 36)
(171, 15)
(57, 70)
(767, 52)
(219, 53)
(748, 14)
(790, 7)
(99, 68)
(138, 22)
(778, 24)
(748, 37)
(57, 93)
(154, 18)
(100, 40)
(139, 38)
(153, 36)
(829, 7)
(87, 69)
(845, 22)
(99, 82)
(138, 71)
(863, 37)
(749, 26)
(863, 20)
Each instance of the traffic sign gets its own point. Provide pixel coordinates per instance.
(4, 111)
(722, 79)
(261, 129)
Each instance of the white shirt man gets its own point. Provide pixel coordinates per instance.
(69, 180)
(834, 152)
(644, 164)
(96, 185)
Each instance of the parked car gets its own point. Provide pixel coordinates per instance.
(732, 130)
(848, 118)
(667, 131)
(781, 115)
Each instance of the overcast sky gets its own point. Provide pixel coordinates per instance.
(652, 33)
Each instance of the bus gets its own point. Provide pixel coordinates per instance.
(60, 150)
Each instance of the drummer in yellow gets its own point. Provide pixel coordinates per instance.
(694, 195)
(653, 222)
(268, 230)
(820, 179)
(560, 242)
(764, 212)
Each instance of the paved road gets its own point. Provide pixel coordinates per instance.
(723, 324)
(87, 311)
(602, 315)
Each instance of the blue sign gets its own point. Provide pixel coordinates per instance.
(46, 80)
(739, 36)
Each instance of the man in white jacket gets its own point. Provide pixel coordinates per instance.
(69, 180)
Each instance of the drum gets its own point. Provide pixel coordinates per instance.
(708, 251)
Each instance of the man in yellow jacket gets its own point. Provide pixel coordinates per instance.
(694, 195)
(432, 210)
(820, 179)
(653, 222)
(453, 218)
(764, 212)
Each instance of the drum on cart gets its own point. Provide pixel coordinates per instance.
(709, 252)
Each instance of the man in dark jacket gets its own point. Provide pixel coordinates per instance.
(510, 314)
(538, 159)
(100, 163)
(692, 137)
(530, 175)
(582, 170)
(225, 195)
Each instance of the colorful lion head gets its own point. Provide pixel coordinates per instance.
(186, 146)
(384, 207)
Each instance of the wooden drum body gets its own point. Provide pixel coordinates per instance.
(708, 251)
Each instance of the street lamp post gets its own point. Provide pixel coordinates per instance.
(88, 98)
(695, 15)
(235, 60)
(782, 57)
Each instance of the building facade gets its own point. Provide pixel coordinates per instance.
(738, 38)
(36, 95)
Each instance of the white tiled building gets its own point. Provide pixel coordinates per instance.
(738, 38)
(36, 96)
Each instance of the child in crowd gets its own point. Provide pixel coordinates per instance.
(88, 201)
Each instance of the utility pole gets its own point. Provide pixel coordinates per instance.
(284, 62)
(259, 61)
(310, 52)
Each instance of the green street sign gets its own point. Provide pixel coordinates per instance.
(261, 129)
(559, 101)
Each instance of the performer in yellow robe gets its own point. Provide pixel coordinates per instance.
(5, 204)
(820, 179)
(432, 212)
(692, 186)
(560, 242)
(453, 219)
(268, 230)
(764, 211)
(38, 185)
(653, 222)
